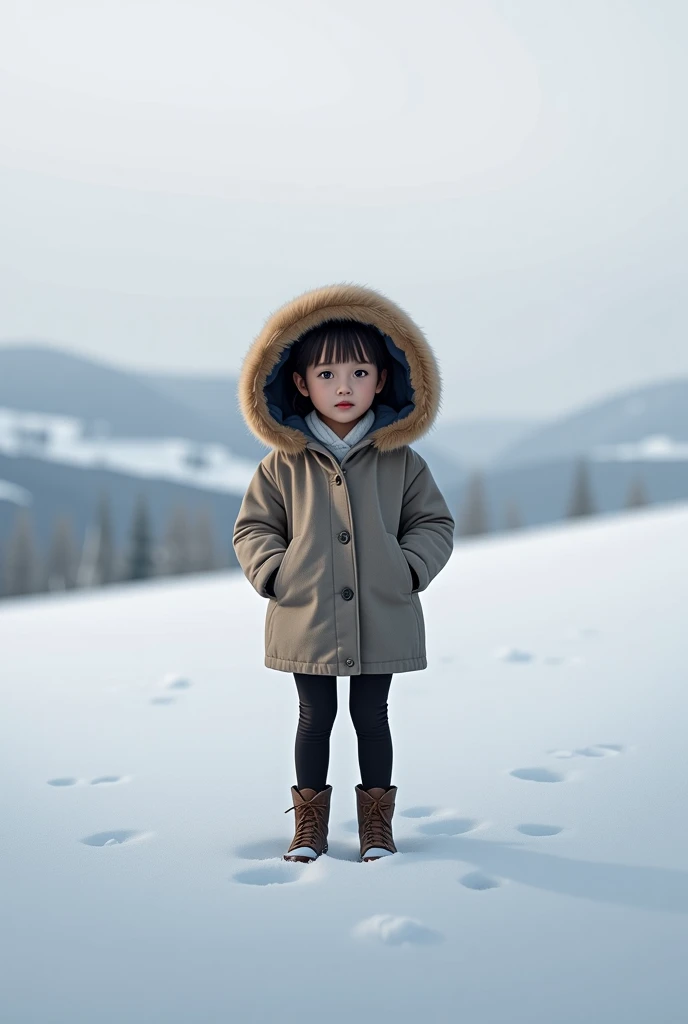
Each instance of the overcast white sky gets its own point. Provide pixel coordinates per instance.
(512, 173)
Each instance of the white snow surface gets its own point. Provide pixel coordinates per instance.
(15, 494)
(540, 760)
(654, 448)
(165, 458)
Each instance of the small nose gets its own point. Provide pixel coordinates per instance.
(343, 388)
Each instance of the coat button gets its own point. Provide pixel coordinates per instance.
(344, 536)
(350, 662)
(347, 593)
(337, 479)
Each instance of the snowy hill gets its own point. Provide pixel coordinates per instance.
(43, 379)
(212, 398)
(540, 762)
(636, 419)
(64, 439)
(50, 464)
(478, 442)
(46, 488)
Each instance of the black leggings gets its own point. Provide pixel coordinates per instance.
(317, 712)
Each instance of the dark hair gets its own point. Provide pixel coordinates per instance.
(336, 341)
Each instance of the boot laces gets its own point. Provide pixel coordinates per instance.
(309, 823)
(376, 830)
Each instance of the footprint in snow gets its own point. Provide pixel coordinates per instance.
(101, 780)
(174, 681)
(421, 811)
(538, 775)
(393, 930)
(513, 654)
(479, 880)
(534, 829)
(117, 837)
(594, 750)
(281, 873)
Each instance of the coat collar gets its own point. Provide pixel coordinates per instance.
(318, 446)
(416, 384)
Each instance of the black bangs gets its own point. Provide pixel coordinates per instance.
(340, 347)
(340, 341)
(336, 341)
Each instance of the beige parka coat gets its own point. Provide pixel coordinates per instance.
(344, 537)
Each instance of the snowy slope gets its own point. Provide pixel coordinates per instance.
(657, 448)
(636, 416)
(12, 493)
(129, 404)
(542, 872)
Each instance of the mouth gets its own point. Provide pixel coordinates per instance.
(344, 405)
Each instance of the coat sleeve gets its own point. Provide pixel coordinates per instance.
(426, 530)
(260, 531)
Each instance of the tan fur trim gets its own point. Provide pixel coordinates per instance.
(338, 301)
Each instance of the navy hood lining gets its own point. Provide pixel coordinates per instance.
(278, 391)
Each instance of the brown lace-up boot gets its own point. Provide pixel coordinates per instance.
(375, 808)
(312, 813)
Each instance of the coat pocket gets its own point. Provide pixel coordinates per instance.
(405, 577)
(281, 577)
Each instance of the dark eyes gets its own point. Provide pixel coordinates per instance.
(322, 372)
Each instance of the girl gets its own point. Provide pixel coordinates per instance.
(342, 526)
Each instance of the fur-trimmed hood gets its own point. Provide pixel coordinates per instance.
(415, 379)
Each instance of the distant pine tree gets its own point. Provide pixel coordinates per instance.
(204, 557)
(580, 501)
(61, 563)
(97, 563)
(139, 563)
(177, 555)
(21, 569)
(636, 496)
(85, 574)
(512, 516)
(105, 559)
(473, 511)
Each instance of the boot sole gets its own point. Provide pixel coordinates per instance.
(303, 860)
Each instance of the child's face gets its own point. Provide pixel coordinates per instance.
(341, 392)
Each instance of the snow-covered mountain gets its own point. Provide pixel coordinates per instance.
(478, 442)
(119, 403)
(52, 465)
(129, 404)
(46, 489)
(64, 439)
(540, 765)
(187, 432)
(634, 417)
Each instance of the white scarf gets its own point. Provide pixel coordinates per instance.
(339, 446)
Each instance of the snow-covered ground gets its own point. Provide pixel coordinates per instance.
(540, 760)
(63, 439)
